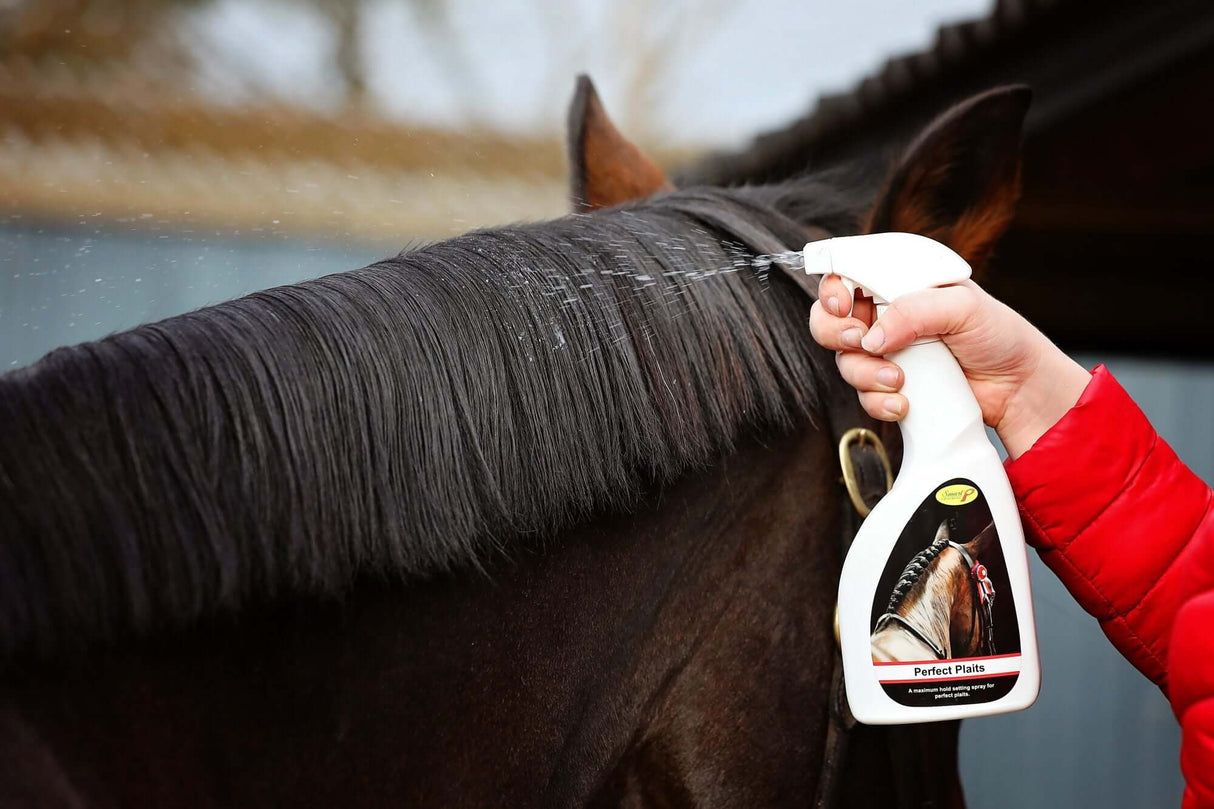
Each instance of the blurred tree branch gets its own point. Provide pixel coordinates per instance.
(346, 18)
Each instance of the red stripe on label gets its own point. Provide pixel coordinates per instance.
(935, 662)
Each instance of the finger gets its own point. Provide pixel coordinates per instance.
(884, 406)
(864, 310)
(835, 333)
(834, 295)
(867, 373)
(926, 313)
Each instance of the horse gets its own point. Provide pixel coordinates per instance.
(541, 515)
(940, 607)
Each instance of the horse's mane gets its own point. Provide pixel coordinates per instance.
(913, 571)
(406, 418)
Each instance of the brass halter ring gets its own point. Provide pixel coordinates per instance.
(862, 435)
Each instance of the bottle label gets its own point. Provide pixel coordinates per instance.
(944, 629)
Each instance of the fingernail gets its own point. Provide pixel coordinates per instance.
(852, 337)
(888, 377)
(893, 406)
(832, 305)
(874, 339)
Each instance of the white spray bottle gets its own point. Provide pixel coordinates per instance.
(935, 606)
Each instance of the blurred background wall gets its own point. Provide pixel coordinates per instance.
(353, 125)
(160, 155)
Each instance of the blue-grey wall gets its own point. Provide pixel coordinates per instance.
(1100, 735)
(68, 284)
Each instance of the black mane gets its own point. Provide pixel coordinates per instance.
(401, 419)
(914, 571)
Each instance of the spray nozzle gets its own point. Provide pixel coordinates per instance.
(886, 266)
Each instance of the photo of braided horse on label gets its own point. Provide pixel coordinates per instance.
(944, 627)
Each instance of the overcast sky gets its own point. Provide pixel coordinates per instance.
(700, 72)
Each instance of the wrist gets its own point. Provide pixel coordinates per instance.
(1046, 394)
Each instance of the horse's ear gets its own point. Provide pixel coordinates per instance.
(959, 180)
(942, 533)
(605, 167)
(981, 544)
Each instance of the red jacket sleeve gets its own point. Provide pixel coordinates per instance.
(1129, 529)
(1191, 662)
(1119, 518)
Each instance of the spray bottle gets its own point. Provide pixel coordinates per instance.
(935, 606)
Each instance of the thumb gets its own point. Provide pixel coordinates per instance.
(926, 313)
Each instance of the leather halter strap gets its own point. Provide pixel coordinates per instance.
(866, 477)
(969, 560)
(869, 471)
(867, 481)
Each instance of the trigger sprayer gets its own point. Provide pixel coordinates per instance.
(935, 606)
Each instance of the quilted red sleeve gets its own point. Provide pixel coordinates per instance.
(1120, 519)
(1191, 665)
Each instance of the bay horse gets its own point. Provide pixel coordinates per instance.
(542, 515)
(937, 609)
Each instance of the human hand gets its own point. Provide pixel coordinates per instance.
(1022, 381)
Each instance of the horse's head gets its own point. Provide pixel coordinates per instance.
(933, 610)
(957, 182)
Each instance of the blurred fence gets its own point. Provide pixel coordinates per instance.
(111, 112)
(68, 155)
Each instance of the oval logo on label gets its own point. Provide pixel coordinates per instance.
(958, 494)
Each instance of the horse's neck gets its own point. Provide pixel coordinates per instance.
(933, 616)
(964, 629)
(729, 671)
(680, 653)
(935, 609)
